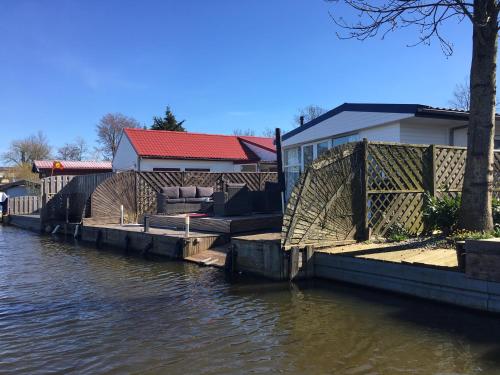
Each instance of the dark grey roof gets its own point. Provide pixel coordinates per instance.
(419, 110)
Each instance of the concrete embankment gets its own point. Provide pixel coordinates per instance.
(29, 222)
(261, 255)
(441, 285)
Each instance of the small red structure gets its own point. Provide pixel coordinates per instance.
(47, 168)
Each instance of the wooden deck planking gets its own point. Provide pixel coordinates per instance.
(227, 225)
(436, 257)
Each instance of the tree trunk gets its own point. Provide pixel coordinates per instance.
(477, 190)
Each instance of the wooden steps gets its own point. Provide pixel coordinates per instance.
(215, 257)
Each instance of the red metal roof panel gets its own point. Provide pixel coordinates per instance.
(184, 145)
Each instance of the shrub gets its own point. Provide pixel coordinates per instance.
(441, 213)
(496, 211)
(397, 233)
(462, 235)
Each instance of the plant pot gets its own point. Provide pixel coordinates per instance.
(460, 247)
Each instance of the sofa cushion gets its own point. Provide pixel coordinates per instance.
(175, 200)
(188, 191)
(196, 200)
(202, 191)
(171, 192)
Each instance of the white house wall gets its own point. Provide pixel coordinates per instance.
(383, 133)
(125, 158)
(344, 122)
(460, 136)
(427, 131)
(214, 166)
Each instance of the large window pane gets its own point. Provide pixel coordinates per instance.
(292, 175)
(292, 156)
(308, 155)
(322, 147)
(345, 139)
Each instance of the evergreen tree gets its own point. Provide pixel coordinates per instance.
(169, 122)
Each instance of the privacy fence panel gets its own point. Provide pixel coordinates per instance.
(137, 191)
(110, 195)
(397, 177)
(322, 207)
(496, 176)
(50, 186)
(328, 204)
(24, 205)
(73, 199)
(449, 169)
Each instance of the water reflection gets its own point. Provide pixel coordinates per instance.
(70, 308)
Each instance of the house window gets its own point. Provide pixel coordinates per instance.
(197, 169)
(249, 168)
(345, 139)
(166, 169)
(322, 147)
(307, 155)
(497, 143)
(291, 167)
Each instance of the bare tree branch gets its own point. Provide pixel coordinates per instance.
(385, 17)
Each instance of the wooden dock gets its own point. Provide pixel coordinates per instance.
(226, 224)
(417, 255)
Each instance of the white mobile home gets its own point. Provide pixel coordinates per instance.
(350, 122)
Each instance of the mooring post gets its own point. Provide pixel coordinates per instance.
(309, 253)
(294, 262)
(146, 223)
(186, 225)
(66, 226)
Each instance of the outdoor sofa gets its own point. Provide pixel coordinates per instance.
(184, 199)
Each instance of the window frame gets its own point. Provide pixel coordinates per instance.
(197, 169)
(161, 169)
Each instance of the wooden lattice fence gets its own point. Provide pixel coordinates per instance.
(367, 187)
(137, 191)
(321, 208)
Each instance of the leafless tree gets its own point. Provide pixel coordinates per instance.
(429, 17)
(109, 130)
(308, 113)
(73, 151)
(248, 132)
(461, 96)
(25, 151)
(269, 132)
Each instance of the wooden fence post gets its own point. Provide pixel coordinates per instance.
(364, 191)
(433, 187)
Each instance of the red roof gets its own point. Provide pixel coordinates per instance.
(183, 145)
(47, 164)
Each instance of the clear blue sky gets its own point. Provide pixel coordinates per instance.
(220, 64)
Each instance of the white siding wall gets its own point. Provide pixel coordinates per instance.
(383, 133)
(17, 191)
(344, 122)
(460, 136)
(214, 166)
(423, 133)
(125, 158)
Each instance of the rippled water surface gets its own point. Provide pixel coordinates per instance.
(67, 308)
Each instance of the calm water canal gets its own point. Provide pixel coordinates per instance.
(66, 308)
